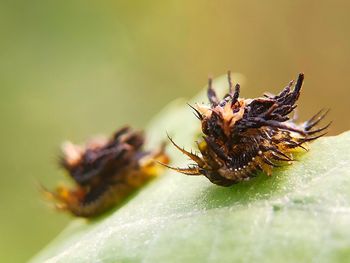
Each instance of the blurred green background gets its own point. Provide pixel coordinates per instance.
(72, 69)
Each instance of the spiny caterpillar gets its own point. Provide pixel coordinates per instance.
(105, 172)
(242, 136)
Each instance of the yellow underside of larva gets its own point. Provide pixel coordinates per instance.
(208, 159)
(257, 162)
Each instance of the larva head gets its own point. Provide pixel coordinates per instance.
(101, 157)
(74, 156)
(218, 119)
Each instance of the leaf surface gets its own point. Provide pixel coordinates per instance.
(300, 214)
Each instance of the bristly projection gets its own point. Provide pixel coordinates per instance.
(242, 136)
(105, 172)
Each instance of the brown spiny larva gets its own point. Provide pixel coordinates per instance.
(242, 136)
(105, 171)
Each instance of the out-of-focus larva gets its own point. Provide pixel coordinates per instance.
(105, 172)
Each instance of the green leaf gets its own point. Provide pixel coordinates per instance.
(300, 214)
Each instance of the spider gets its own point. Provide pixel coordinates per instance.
(241, 136)
(105, 172)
